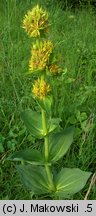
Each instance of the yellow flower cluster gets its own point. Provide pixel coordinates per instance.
(40, 55)
(54, 68)
(41, 89)
(35, 21)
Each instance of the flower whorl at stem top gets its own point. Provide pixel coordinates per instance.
(41, 89)
(35, 21)
(40, 55)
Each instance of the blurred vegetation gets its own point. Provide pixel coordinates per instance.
(73, 4)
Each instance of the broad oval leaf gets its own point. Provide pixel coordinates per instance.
(70, 181)
(34, 178)
(59, 143)
(33, 122)
(30, 156)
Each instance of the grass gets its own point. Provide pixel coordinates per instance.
(74, 37)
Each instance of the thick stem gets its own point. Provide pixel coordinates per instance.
(44, 123)
(22, 162)
(46, 138)
(52, 186)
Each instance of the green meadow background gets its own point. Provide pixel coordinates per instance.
(73, 32)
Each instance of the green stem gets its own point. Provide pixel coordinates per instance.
(46, 139)
(44, 123)
(52, 186)
(22, 162)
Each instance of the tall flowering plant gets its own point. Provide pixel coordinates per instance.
(37, 169)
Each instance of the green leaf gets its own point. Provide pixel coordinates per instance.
(30, 156)
(46, 104)
(34, 178)
(59, 143)
(70, 181)
(33, 122)
(53, 124)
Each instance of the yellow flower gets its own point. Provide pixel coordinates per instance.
(35, 21)
(41, 89)
(40, 55)
(54, 69)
